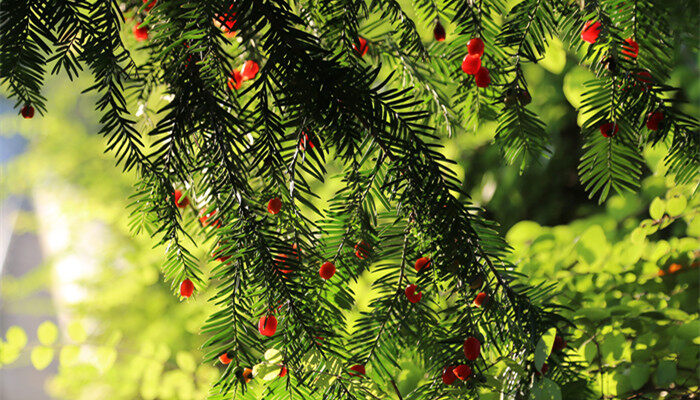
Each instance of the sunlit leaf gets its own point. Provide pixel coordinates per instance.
(544, 347)
(47, 333)
(41, 357)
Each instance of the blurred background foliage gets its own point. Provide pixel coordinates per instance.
(626, 270)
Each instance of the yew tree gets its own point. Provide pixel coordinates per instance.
(264, 99)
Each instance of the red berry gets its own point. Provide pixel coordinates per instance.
(327, 270)
(472, 348)
(267, 326)
(482, 77)
(362, 50)
(475, 47)
(448, 375)
(481, 299)
(283, 372)
(204, 219)
(462, 371)
(630, 49)
(235, 81)
(360, 369)
(476, 283)
(274, 205)
(249, 70)
(644, 77)
(423, 262)
(411, 294)
(247, 375)
(591, 31)
(675, 267)
(186, 288)
(559, 343)
(608, 129)
(439, 32)
(150, 5)
(281, 262)
(227, 20)
(140, 33)
(471, 64)
(654, 119)
(27, 111)
(218, 256)
(362, 250)
(224, 358)
(180, 200)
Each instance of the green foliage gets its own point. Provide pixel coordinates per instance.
(382, 121)
(631, 286)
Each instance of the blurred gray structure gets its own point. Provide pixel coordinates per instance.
(20, 253)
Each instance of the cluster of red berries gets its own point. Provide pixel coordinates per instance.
(591, 32)
(411, 295)
(471, 64)
(227, 21)
(247, 72)
(609, 129)
(672, 269)
(247, 375)
(472, 351)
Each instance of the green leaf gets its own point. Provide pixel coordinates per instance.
(47, 333)
(639, 374)
(573, 89)
(266, 372)
(593, 313)
(273, 356)
(592, 246)
(544, 347)
(657, 208)
(8, 353)
(590, 351)
(665, 373)
(689, 330)
(185, 361)
(16, 337)
(546, 389)
(107, 356)
(41, 357)
(676, 205)
(512, 364)
(69, 355)
(76, 331)
(554, 59)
